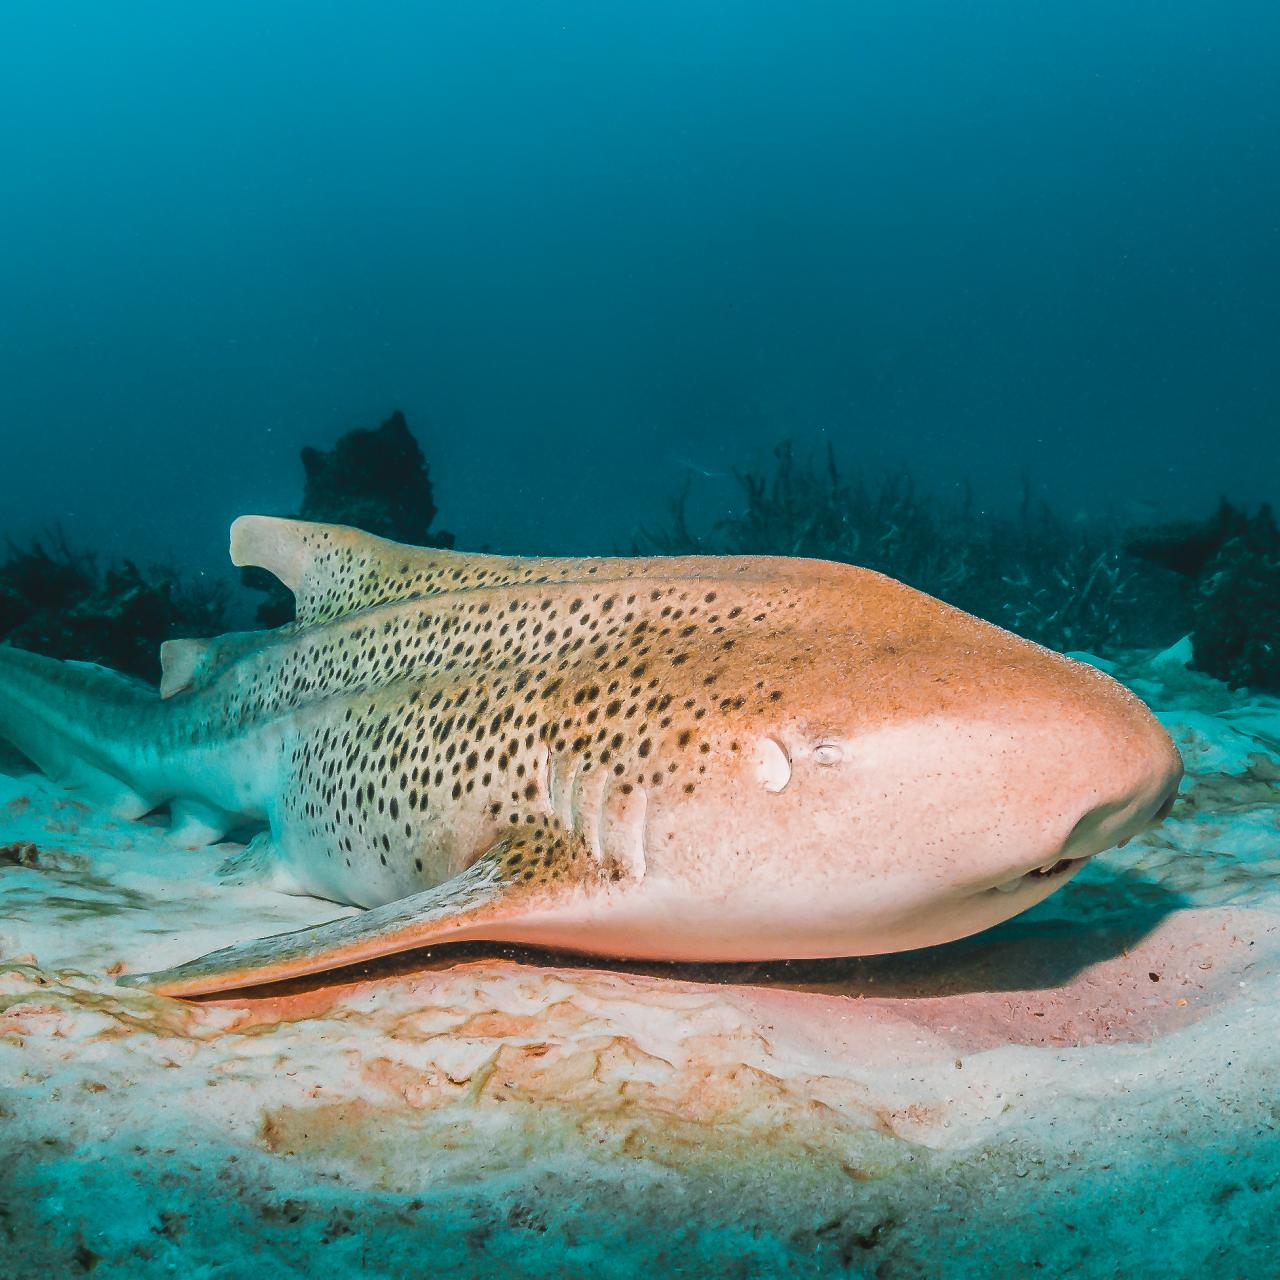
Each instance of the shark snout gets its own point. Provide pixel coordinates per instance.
(1119, 776)
(1089, 768)
(1118, 821)
(1136, 773)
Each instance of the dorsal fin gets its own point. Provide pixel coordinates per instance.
(334, 570)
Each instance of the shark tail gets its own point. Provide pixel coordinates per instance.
(94, 731)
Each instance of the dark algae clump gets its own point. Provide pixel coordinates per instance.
(376, 480)
(1231, 563)
(1066, 584)
(1237, 611)
(56, 600)
(373, 479)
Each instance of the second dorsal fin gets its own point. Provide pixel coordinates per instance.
(192, 664)
(180, 663)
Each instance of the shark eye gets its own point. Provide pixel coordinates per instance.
(828, 753)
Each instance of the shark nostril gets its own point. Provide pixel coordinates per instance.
(1095, 831)
(1090, 834)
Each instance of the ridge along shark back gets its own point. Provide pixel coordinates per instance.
(687, 758)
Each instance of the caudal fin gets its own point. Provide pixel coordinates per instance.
(90, 729)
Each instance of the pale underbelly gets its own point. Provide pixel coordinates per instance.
(657, 921)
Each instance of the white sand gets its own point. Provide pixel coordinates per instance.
(1094, 1087)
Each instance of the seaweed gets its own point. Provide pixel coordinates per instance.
(799, 510)
(1232, 561)
(1189, 547)
(56, 600)
(1237, 618)
(373, 479)
(1066, 585)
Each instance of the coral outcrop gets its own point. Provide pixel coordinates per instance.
(373, 479)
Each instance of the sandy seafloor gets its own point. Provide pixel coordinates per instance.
(1092, 1088)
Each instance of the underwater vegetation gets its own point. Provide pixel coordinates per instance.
(373, 479)
(57, 600)
(1085, 584)
(1232, 561)
(1068, 585)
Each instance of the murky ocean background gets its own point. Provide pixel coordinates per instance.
(592, 251)
(980, 296)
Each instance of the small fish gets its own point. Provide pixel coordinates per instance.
(697, 469)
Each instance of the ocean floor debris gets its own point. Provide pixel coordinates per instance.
(1090, 1088)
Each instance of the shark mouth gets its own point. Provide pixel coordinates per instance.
(1058, 870)
(1061, 865)
(1050, 871)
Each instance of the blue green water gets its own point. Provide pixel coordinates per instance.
(600, 254)
(589, 247)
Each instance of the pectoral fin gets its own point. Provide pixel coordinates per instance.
(517, 875)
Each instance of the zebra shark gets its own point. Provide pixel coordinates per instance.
(682, 758)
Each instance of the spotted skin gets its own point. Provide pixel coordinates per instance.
(461, 714)
(499, 695)
(421, 727)
(695, 757)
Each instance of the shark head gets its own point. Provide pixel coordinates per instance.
(918, 782)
